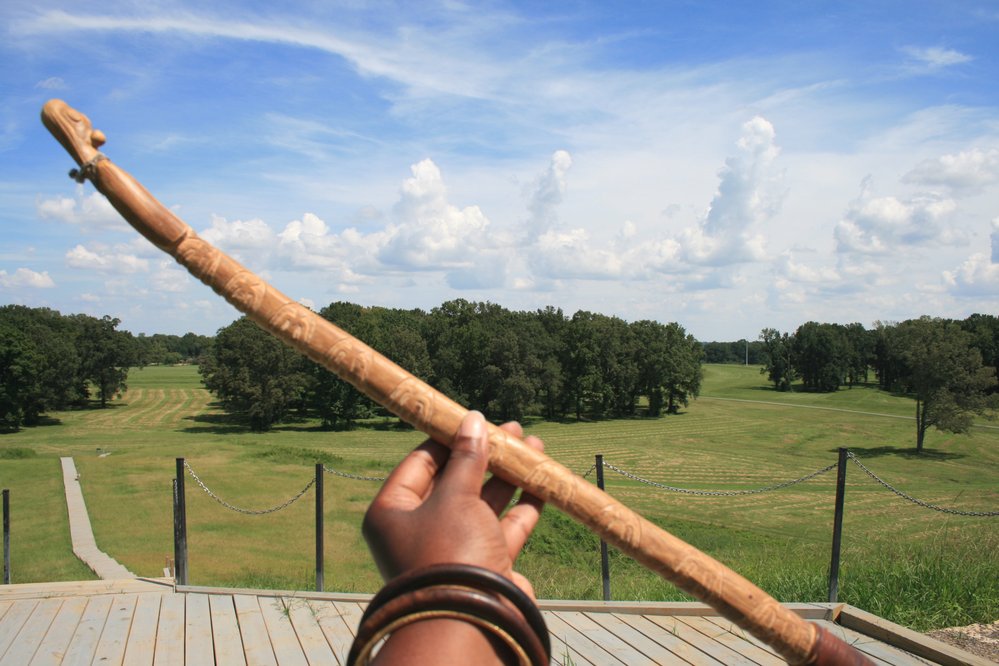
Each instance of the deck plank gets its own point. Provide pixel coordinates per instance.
(83, 644)
(287, 649)
(113, 639)
(141, 642)
(256, 643)
(225, 630)
(53, 647)
(606, 638)
(170, 633)
(198, 647)
(334, 626)
(734, 641)
(32, 633)
(302, 613)
(13, 620)
(682, 641)
(581, 644)
(714, 649)
(871, 647)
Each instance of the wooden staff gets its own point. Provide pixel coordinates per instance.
(438, 416)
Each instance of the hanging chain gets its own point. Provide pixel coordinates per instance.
(719, 493)
(927, 505)
(249, 512)
(590, 471)
(356, 477)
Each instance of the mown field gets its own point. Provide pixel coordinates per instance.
(922, 568)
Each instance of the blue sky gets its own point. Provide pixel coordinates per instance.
(730, 166)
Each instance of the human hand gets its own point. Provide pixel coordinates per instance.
(435, 509)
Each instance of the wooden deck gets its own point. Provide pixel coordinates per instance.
(142, 621)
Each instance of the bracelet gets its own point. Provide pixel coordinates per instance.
(455, 591)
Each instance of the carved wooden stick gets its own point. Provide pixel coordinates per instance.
(432, 412)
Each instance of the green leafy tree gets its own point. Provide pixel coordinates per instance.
(944, 372)
(819, 355)
(20, 368)
(254, 374)
(106, 354)
(777, 358)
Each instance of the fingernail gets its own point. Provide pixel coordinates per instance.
(472, 426)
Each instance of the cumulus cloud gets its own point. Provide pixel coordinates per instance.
(878, 225)
(747, 196)
(105, 261)
(430, 232)
(547, 194)
(238, 234)
(25, 277)
(979, 275)
(795, 271)
(169, 277)
(969, 171)
(90, 211)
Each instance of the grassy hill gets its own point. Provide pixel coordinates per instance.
(919, 567)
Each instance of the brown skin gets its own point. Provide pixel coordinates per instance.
(435, 509)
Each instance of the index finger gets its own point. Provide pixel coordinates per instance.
(412, 480)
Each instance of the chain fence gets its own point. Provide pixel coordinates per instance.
(718, 493)
(249, 512)
(910, 498)
(628, 475)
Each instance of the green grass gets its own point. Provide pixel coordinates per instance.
(922, 568)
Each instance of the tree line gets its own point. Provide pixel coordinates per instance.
(50, 361)
(947, 366)
(505, 363)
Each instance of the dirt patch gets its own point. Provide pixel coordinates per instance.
(978, 639)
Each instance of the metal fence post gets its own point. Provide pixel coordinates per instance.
(604, 563)
(6, 536)
(837, 526)
(320, 563)
(179, 526)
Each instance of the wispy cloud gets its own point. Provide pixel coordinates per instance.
(934, 58)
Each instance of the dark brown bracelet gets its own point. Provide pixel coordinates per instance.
(455, 591)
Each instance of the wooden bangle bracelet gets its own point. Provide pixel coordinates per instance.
(454, 591)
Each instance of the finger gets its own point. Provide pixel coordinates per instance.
(413, 479)
(496, 492)
(518, 523)
(469, 458)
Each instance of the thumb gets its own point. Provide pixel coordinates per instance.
(466, 467)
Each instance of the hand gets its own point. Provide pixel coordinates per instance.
(435, 509)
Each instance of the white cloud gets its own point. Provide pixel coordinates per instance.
(547, 194)
(239, 234)
(969, 171)
(25, 277)
(979, 274)
(52, 83)
(169, 277)
(934, 58)
(879, 225)
(90, 211)
(105, 261)
(747, 196)
(794, 271)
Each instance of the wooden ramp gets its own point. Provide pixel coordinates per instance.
(81, 532)
(142, 621)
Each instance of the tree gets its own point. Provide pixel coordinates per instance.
(669, 365)
(105, 354)
(819, 356)
(20, 366)
(944, 372)
(776, 357)
(254, 374)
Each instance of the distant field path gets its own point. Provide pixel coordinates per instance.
(828, 409)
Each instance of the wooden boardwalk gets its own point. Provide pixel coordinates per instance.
(82, 534)
(143, 621)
